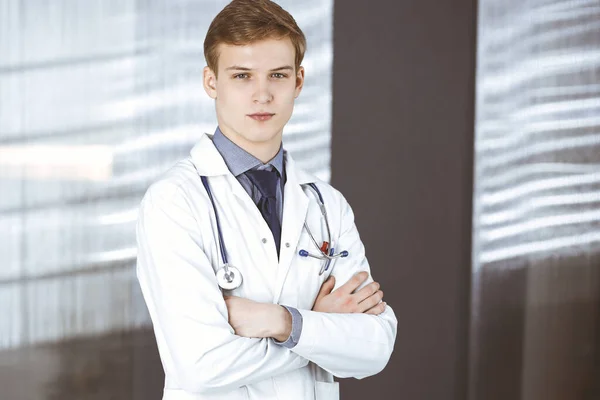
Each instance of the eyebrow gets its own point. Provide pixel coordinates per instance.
(238, 68)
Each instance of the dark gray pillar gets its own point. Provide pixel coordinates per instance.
(402, 152)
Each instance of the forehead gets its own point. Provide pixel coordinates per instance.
(265, 54)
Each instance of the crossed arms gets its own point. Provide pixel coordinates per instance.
(252, 319)
(208, 343)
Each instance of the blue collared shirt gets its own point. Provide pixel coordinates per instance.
(239, 161)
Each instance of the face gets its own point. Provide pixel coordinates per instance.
(254, 92)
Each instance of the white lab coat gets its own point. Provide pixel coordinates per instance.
(177, 259)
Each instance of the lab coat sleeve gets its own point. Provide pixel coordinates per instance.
(198, 347)
(348, 345)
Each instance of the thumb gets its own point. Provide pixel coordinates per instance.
(327, 287)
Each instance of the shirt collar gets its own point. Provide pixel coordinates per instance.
(239, 160)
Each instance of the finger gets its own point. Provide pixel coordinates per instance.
(378, 309)
(326, 287)
(370, 301)
(354, 282)
(366, 292)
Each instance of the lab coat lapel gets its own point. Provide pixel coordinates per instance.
(207, 159)
(209, 162)
(295, 207)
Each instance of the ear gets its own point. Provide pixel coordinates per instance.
(210, 82)
(299, 81)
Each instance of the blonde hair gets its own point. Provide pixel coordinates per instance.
(244, 22)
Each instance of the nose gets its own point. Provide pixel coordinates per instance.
(262, 93)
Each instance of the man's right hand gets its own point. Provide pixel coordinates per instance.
(342, 300)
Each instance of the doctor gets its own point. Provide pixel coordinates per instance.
(252, 269)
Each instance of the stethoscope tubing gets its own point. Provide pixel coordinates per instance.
(221, 245)
(303, 253)
(324, 256)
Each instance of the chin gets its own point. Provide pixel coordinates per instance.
(262, 136)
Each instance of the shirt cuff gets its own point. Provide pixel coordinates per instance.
(292, 341)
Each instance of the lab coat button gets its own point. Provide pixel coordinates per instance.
(287, 244)
(264, 240)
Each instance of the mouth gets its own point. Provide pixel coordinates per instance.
(261, 116)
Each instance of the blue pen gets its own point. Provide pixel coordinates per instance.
(331, 252)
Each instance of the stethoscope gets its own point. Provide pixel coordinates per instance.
(229, 277)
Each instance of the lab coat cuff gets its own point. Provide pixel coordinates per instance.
(294, 337)
(310, 332)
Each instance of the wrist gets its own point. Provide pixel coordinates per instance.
(282, 326)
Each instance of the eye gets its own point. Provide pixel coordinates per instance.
(240, 76)
(279, 75)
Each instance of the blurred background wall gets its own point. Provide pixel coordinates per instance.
(97, 98)
(535, 331)
(464, 134)
(478, 196)
(404, 87)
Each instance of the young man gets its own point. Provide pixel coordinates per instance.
(233, 242)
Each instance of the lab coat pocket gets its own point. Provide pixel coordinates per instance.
(327, 391)
(310, 264)
(305, 275)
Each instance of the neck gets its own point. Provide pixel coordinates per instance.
(264, 151)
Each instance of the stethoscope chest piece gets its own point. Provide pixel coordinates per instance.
(229, 277)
